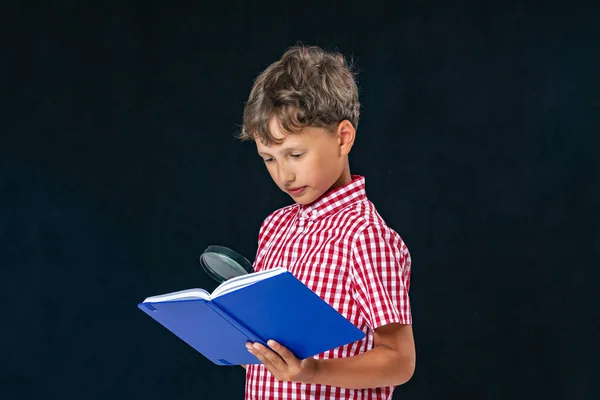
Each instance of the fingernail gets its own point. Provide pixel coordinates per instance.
(271, 342)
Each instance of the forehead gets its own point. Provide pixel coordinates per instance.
(285, 140)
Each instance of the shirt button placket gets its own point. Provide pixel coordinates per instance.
(301, 221)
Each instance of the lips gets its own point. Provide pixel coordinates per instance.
(296, 191)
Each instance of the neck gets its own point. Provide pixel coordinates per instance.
(344, 179)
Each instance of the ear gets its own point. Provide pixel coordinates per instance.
(346, 135)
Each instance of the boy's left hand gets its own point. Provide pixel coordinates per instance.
(282, 363)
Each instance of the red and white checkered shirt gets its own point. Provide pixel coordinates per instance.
(340, 247)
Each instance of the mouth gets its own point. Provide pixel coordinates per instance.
(296, 191)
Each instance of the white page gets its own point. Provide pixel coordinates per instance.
(245, 280)
(189, 294)
(224, 288)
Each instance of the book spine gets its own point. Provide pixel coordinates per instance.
(247, 332)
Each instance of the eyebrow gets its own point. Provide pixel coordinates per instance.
(285, 150)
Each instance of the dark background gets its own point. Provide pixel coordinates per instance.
(118, 166)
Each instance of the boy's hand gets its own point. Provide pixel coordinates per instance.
(282, 363)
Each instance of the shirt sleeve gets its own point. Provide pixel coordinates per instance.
(263, 234)
(381, 277)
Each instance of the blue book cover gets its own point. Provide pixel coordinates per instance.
(265, 305)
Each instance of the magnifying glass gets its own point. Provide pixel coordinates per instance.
(222, 263)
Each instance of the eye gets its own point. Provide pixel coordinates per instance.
(267, 160)
(297, 155)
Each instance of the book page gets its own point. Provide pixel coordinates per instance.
(245, 280)
(189, 294)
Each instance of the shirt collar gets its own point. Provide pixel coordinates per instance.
(336, 199)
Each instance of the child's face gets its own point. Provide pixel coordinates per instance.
(311, 161)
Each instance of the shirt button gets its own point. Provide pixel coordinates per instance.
(315, 213)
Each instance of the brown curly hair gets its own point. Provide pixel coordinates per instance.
(308, 86)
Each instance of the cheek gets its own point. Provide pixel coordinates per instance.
(313, 166)
(272, 170)
(327, 161)
(321, 167)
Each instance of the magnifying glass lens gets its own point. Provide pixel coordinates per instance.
(222, 263)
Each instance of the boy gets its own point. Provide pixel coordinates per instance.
(302, 114)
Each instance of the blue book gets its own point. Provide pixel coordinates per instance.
(256, 307)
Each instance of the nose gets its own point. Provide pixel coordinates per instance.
(285, 174)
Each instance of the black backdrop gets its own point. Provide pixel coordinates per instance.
(118, 166)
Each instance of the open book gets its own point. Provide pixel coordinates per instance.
(228, 286)
(271, 304)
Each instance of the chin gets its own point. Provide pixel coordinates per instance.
(308, 200)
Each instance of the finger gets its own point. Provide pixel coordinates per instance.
(272, 368)
(259, 356)
(267, 364)
(288, 357)
(270, 356)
